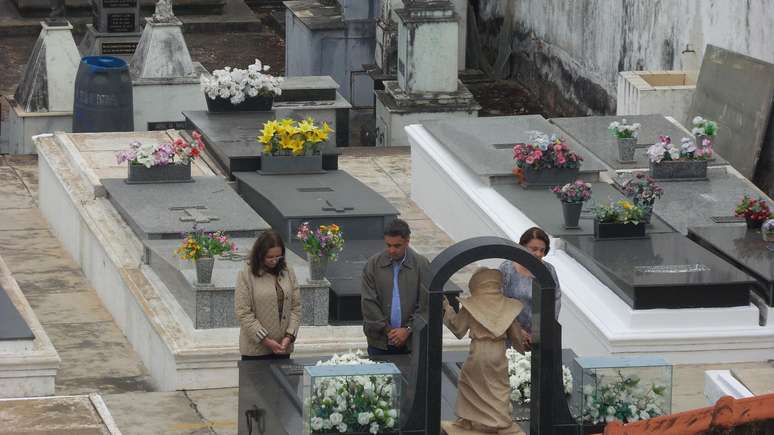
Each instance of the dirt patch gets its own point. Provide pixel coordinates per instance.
(507, 98)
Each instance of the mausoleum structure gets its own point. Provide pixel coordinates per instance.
(43, 101)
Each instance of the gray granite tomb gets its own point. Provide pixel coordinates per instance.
(12, 325)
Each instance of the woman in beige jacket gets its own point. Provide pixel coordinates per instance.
(267, 302)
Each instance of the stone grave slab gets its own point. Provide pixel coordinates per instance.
(545, 209)
(308, 88)
(699, 203)
(286, 201)
(737, 92)
(662, 271)
(12, 324)
(164, 211)
(743, 248)
(486, 144)
(207, 306)
(592, 133)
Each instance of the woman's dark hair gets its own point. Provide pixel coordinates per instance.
(267, 240)
(535, 233)
(398, 227)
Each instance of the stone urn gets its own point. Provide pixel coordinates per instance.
(204, 267)
(626, 148)
(317, 266)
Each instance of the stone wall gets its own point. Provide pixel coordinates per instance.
(570, 52)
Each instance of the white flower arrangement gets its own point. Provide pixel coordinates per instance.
(353, 403)
(520, 376)
(237, 84)
(626, 400)
(623, 130)
(704, 126)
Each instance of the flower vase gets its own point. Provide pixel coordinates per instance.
(753, 224)
(520, 411)
(140, 174)
(767, 230)
(647, 209)
(571, 212)
(317, 267)
(204, 266)
(626, 148)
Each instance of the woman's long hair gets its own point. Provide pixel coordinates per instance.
(535, 233)
(267, 240)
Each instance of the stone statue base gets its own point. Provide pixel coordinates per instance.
(448, 428)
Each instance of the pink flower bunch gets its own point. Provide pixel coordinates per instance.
(579, 191)
(545, 152)
(664, 149)
(178, 152)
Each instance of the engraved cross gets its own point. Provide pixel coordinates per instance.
(331, 206)
(194, 213)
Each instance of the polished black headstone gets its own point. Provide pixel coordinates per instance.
(743, 248)
(662, 271)
(12, 325)
(165, 210)
(544, 208)
(592, 133)
(334, 197)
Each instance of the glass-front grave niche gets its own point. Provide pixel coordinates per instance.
(744, 248)
(626, 389)
(662, 271)
(709, 202)
(592, 132)
(485, 145)
(273, 394)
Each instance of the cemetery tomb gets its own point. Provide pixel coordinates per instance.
(164, 211)
(13, 328)
(743, 248)
(709, 202)
(485, 145)
(592, 133)
(662, 271)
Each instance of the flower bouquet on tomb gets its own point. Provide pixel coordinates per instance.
(626, 135)
(572, 197)
(545, 161)
(321, 245)
(754, 211)
(168, 162)
(618, 219)
(687, 161)
(292, 147)
(643, 191)
(234, 89)
(202, 247)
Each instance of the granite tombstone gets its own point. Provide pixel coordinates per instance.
(115, 29)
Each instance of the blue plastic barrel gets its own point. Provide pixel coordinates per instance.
(103, 96)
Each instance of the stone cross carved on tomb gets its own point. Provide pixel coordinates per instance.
(421, 411)
(338, 208)
(194, 213)
(163, 12)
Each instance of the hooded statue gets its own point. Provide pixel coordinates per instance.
(483, 391)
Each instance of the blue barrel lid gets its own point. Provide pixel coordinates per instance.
(102, 63)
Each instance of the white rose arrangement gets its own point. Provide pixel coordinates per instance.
(626, 399)
(347, 404)
(520, 376)
(236, 84)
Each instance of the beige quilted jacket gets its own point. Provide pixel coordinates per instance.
(255, 302)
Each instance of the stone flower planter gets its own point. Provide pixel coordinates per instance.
(679, 170)
(139, 174)
(204, 267)
(626, 148)
(317, 267)
(250, 104)
(291, 164)
(547, 177)
(618, 231)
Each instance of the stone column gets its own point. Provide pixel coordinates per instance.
(314, 302)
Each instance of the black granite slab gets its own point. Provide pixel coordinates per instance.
(743, 248)
(286, 201)
(545, 209)
(12, 325)
(231, 138)
(592, 133)
(164, 211)
(662, 271)
(485, 145)
(696, 203)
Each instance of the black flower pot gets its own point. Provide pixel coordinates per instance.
(571, 212)
(753, 224)
(548, 177)
(618, 231)
(250, 104)
(139, 174)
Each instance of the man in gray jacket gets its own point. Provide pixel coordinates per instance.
(391, 292)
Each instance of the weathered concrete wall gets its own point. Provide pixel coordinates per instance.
(570, 51)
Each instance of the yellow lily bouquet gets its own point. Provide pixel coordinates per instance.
(288, 137)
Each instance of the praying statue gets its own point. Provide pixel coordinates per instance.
(163, 12)
(483, 391)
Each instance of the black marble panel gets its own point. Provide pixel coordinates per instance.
(743, 248)
(592, 133)
(12, 325)
(286, 201)
(544, 208)
(164, 211)
(662, 271)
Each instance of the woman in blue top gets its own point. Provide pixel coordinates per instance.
(517, 280)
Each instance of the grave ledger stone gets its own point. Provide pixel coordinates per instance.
(115, 30)
(43, 101)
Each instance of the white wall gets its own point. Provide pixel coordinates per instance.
(595, 39)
